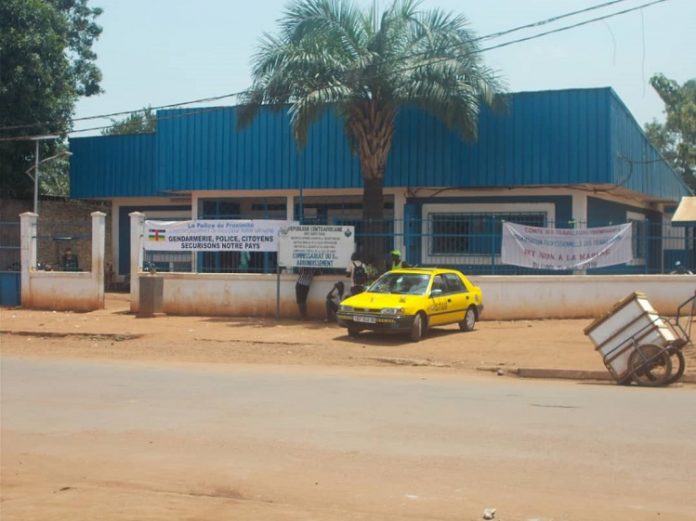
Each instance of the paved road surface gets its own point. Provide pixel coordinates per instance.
(87, 440)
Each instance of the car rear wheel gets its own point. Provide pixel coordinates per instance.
(469, 321)
(418, 327)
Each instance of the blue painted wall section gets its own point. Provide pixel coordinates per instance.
(10, 288)
(606, 213)
(549, 138)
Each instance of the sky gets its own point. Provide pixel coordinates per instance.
(158, 52)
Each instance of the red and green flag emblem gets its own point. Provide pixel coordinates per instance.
(156, 234)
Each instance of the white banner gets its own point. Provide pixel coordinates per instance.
(212, 235)
(566, 248)
(316, 246)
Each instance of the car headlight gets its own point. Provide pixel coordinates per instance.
(392, 311)
(345, 308)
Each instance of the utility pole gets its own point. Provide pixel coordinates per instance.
(36, 140)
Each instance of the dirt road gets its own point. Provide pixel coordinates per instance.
(86, 433)
(86, 440)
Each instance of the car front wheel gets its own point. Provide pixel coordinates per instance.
(469, 320)
(353, 331)
(417, 328)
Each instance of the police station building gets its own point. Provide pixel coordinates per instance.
(564, 159)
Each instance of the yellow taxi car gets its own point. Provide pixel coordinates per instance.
(412, 300)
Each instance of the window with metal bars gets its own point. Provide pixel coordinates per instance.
(474, 233)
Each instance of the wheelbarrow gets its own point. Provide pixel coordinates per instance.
(639, 345)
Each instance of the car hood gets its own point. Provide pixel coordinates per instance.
(380, 300)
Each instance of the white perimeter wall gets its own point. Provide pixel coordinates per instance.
(505, 297)
(577, 296)
(62, 290)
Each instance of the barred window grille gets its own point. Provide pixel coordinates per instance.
(471, 233)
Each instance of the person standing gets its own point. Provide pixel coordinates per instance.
(372, 270)
(244, 258)
(357, 272)
(395, 262)
(69, 260)
(304, 281)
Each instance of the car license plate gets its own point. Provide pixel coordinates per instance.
(364, 319)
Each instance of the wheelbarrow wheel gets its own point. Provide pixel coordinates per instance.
(650, 365)
(679, 362)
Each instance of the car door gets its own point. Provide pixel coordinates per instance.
(438, 308)
(458, 298)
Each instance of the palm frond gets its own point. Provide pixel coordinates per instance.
(338, 22)
(330, 52)
(309, 108)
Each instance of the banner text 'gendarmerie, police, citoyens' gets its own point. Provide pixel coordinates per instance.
(217, 242)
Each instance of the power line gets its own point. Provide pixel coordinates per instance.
(547, 21)
(412, 67)
(188, 113)
(489, 36)
(527, 38)
(215, 98)
(124, 112)
(573, 26)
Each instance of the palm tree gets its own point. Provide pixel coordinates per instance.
(330, 53)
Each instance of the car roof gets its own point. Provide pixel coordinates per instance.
(428, 271)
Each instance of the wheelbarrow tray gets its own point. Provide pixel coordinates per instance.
(629, 323)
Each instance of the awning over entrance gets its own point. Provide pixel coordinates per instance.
(686, 212)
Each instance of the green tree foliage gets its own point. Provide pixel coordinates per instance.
(367, 67)
(676, 138)
(54, 179)
(136, 123)
(46, 63)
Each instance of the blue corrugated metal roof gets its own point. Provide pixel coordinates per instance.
(113, 166)
(637, 165)
(544, 138)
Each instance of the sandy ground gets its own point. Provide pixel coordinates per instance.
(115, 334)
(112, 335)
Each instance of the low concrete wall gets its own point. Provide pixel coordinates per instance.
(563, 296)
(239, 294)
(505, 297)
(62, 290)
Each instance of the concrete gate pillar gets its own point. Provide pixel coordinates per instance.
(98, 250)
(27, 230)
(137, 221)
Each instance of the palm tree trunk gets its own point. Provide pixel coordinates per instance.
(371, 126)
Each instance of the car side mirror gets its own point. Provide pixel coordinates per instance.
(435, 293)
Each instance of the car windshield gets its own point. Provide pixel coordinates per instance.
(401, 284)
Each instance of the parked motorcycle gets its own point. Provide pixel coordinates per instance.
(679, 269)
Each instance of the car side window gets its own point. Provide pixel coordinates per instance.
(439, 283)
(454, 284)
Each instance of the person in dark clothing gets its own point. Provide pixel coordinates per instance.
(69, 260)
(357, 272)
(304, 281)
(333, 299)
